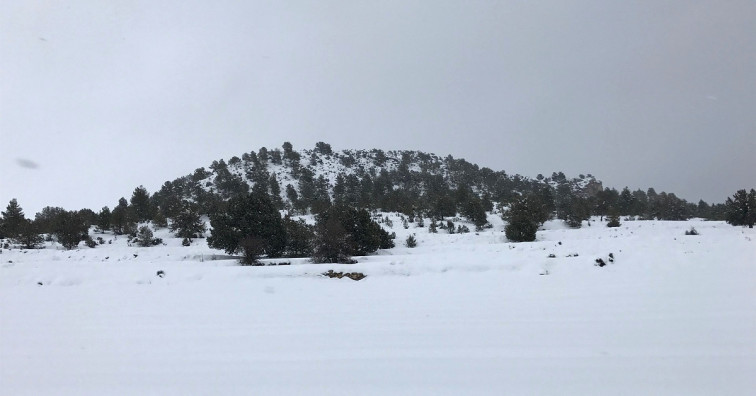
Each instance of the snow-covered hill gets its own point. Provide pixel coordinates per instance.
(356, 172)
(459, 314)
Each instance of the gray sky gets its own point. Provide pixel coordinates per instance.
(98, 97)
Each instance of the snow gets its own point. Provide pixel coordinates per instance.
(459, 314)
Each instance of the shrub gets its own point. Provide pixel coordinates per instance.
(613, 222)
(524, 217)
(411, 242)
(90, 243)
(521, 231)
(145, 238)
(450, 226)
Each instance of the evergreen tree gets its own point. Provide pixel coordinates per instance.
(577, 212)
(543, 198)
(306, 190)
(432, 228)
(331, 244)
(741, 208)
(563, 200)
(323, 148)
(287, 149)
(289, 153)
(252, 224)
(339, 190)
(145, 238)
(471, 207)
(300, 237)
(262, 156)
(343, 231)
(703, 210)
(275, 157)
(188, 223)
(604, 200)
(13, 219)
(28, 235)
(614, 219)
(70, 229)
(411, 242)
(88, 216)
(275, 192)
(523, 219)
(293, 197)
(140, 202)
(44, 221)
(322, 199)
(123, 219)
(159, 220)
(625, 204)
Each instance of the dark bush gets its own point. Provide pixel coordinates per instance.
(411, 242)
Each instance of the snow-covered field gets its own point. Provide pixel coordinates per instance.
(459, 314)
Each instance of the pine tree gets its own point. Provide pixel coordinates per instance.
(123, 220)
(293, 197)
(289, 153)
(411, 242)
(275, 192)
(159, 220)
(361, 235)
(188, 223)
(45, 220)
(474, 211)
(28, 235)
(13, 219)
(323, 148)
(140, 201)
(331, 245)
(145, 238)
(103, 219)
(432, 228)
(251, 224)
(578, 211)
(70, 229)
(523, 219)
(741, 208)
(614, 220)
(299, 237)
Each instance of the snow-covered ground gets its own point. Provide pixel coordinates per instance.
(459, 314)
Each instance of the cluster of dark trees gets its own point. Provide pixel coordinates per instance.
(70, 228)
(252, 224)
(741, 208)
(413, 183)
(67, 227)
(530, 211)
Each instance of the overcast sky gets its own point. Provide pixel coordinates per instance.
(98, 97)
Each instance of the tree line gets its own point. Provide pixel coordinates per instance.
(412, 183)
